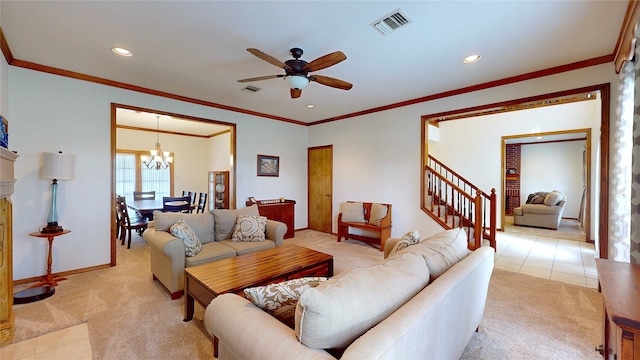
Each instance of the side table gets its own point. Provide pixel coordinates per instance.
(45, 287)
(49, 279)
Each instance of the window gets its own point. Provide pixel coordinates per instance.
(132, 176)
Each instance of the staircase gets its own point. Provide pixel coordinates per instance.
(454, 202)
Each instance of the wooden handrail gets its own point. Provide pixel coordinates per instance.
(448, 190)
(460, 177)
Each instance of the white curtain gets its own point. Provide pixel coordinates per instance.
(634, 250)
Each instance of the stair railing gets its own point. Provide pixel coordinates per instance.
(450, 202)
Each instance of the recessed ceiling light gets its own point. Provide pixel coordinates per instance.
(310, 106)
(539, 138)
(471, 59)
(121, 51)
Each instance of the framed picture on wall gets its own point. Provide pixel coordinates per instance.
(268, 165)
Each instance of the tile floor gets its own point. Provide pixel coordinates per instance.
(69, 343)
(551, 258)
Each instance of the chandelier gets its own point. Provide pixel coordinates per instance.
(159, 159)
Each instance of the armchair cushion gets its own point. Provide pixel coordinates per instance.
(225, 220)
(201, 224)
(352, 212)
(249, 228)
(378, 212)
(182, 231)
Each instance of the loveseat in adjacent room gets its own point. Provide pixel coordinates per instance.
(543, 209)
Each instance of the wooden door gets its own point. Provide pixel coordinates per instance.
(320, 177)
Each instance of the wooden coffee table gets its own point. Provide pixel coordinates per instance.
(204, 282)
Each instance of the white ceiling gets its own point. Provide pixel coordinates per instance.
(197, 49)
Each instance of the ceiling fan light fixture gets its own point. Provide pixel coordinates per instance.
(297, 81)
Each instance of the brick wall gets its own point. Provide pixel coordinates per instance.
(512, 188)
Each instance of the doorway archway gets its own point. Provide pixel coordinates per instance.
(181, 126)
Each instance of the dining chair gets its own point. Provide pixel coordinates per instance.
(202, 203)
(128, 222)
(118, 217)
(193, 196)
(144, 195)
(176, 204)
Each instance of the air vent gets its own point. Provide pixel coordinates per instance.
(391, 22)
(251, 88)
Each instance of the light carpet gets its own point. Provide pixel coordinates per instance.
(131, 316)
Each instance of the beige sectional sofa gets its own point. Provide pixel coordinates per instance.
(545, 212)
(214, 230)
(422, 303)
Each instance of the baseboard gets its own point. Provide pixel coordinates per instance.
(61, 274)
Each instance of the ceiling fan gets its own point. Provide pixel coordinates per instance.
(297, 71)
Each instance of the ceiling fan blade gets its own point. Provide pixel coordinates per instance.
(295, 93)
(261, 78)
(325, 61)
(268, 58)
(329, 81)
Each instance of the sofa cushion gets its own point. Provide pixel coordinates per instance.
(182, 231)
(201, 224)
(339, 310)
(225, 220)
(408, 239)
(211, 251)
(540, 209)
(352, 212)
(280, 299)
(246, 247)
(249, 228)
(378, 212)
(441, 251)
(553, 198)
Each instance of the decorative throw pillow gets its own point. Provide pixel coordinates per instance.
(378, 212)
(280, 299)
(352, 212)
(408, 239)
(225, 220)
(553, 198)
(537, 197)
(182, 231)
(249, 228)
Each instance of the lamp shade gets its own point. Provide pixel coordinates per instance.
(58, 166)
(297, 81)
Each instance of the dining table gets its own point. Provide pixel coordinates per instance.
(146, 207)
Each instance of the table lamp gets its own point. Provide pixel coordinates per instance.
(56, 167)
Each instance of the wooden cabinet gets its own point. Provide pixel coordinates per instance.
(620, 286)
(7, 159)
(280, 211)
(219, 189)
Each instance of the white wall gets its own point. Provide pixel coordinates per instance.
(51, 113)
(377, 156)
(553, 166)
